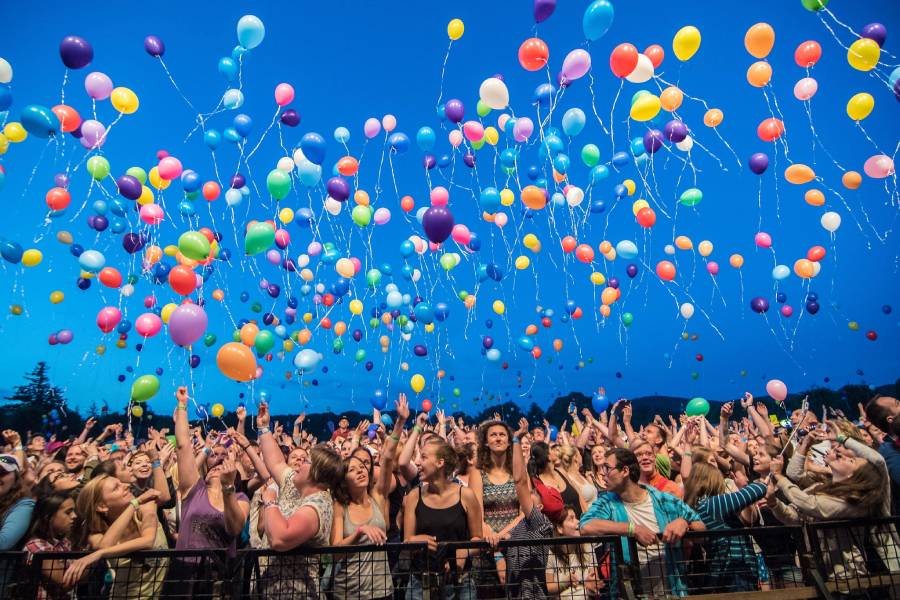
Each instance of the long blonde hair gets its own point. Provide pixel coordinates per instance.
(90, 520)
(705, 480)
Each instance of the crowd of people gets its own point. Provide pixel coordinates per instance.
(110, 496)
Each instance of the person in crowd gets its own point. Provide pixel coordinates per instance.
(16, 503)
(649, 461)
(343, 430)
(571, 567)
(570, 460)
(541, 466)
(51, 529)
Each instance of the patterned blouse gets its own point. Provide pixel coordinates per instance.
(501, 504)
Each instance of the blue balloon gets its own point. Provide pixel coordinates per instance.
(39, 120)
(231, 135)
(599, 173)
(598, 18)
(6, 98)
(561, 163)
(342, 135)
(242, 124)
(313, 146)
(228, 67)
(489, 199)
(310, 173)
(250, 31)
(425, 139)
(620, 159)
(543, 94)
(441, 311)
(212, 138)
(11, 251)
(190, 180)
(444, 161)
(573, 121)
(599, 402)
(399, 142)
(554, 433)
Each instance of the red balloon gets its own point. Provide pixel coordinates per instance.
(110, 277)
(770, 129)
(536, 352)
(584, 253)
(871, 335)
(807, 54)
(816, 253)
(211, 190)
(533, 54)
(623, 60)
(58, 198)
(182, 280)
(69, 119)
(665, 270)
(656, 54)
(568, 243)
(646, 217)
(577, 313)
(426, 405)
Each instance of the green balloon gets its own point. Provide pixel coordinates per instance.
(256, 307)
(210, 338)
(361, 215)
(477, 145)
(637, 95)
(482, 109)
(456, 392)
(402, 320)
(192, 195)
(236, 335)
(98, 167)
(360, 355)
(627, 319)
(697, 407)
(194, 245)
(814, 5)
(695, 375)
(337, 345)
(590, 155)
(373, 277)
(449, 260)
(691, 197)
(279, 183)
(260, 236)
(171, 439)
(144, 388)
(138, 173)
(264, 342)
(373, 323)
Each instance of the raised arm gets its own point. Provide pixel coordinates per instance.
(188, 475)
(761, 423)
(520, 476)
(271, 453)
(386, 473)
(236, 511)
(160, 484)
(407, 469)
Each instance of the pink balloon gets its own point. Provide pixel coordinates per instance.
(93, 134)
(806, 88)
(763, 239)
(501, 121)
(777, 390)
(712, 267)
(786, 310)
(576, 65)
(461, 234)
(284, 94)
(433, 247)
(187, 323)
(455, 137)
(879, 166)
(152, 214)
(389, 122)
(522, 129)
(314, 248)
(357, 265)
(98, 85)
(273, 256)
(500, 219)
(282, 238)
(382, 215)
(439, 196)
(108, 318)
(169, 168)
(473, 130)
(149, 301)
(372, 127)
(148, 324)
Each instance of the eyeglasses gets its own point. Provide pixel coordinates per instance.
(605, 469)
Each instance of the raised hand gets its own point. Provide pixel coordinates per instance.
(181, 395)
(402, 407)
(747, 400)
(262, 417)
(523, 428)
(241, 413)
(229, 470)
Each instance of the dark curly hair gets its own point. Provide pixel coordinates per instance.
(485, 460)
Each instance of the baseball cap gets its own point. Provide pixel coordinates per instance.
(8, 463)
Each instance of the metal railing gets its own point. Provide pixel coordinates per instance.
(859, 559)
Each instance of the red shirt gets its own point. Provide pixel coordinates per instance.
(666, 485)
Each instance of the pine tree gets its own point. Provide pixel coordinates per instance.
(38, 392)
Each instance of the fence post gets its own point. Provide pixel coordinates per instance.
(809, 565)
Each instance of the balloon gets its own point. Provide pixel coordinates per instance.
(493, 93)
(860, 106)
(236, 361)
(759, 40)
(455, 29)
(57, 198)
(758, 163)
(687, 310)
(6, 71)
(623, 60)
(770, 129)
(148, 324)
(437, 223)
(642, 72)
(777, 390)
(863, 54)
(875, 31)
(597, 19)
(32, 257)
(533, 54)
(39, 120)
(759, 74)
(154, 46)
(759, 305)
(831, 221)
(686, 43)
(182, 280)
(807, 54)
(713, 117)
(665, 270)
(194, 245)
(137, 411)
(697, 407)
(534, 197)
(576, 65)
(806, 88)
(217, 410)
(187, 324)
(144, 388)
(75, 52)
(260, 237)
(763, 240)
(691, 197)
(599, 402)
(124, 100)
(814, 5)
(799, 174)
(250, 31)
(645, 108)
(879, 166)
(417, 383)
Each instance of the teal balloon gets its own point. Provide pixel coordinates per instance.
(691, 197)
(264, 342)
(250, 31)
(697, 407)
(39, 120)
(597, 19)
(590, 155)
(260, 237)
(425, 139)
(279, 183)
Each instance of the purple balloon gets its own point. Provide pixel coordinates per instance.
(64, 336)
(132, 242)
(195, 361)
(631, 270)
(455, 110)
(675, 131)
(543, 9)
(438, 223)
(429, 161)
(759, 305)
(759, 162)
(487, 341)
(129, 187)
(100, 223)
(812, 307)
(238, 181)
(653, 140)
(613, 282)
(338, 188)
(154, 46)
(75, 52)
(420, 350)
(290, 117)
(875, 31)
(92, 134)
(187, 324)
(61, 180)
(469, 159)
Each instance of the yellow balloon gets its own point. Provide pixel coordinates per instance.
(170, 250)
(686, 42)
(645, 108)
(507, 197)
(430, 326)
(217, 410)
(356, 306)
(287, 345)
(157, 181)
(32, 257)
(530, 241)
(499, 307)
(630, 186)
(853, 325)
(146, 196)
(597, 278)
(307, 318)
(4, 144)
(14, 132)
(167, 311)
(101, 349)
(455, 29)
(705, 248)
(57, 297)
(682, 242)
(124, 100)
(137, 411)
(286, 215)
(860, 106)
(522, 262)
(87, 275)
(306, 275)
(345, 268)
(491, 135)
(121, 344)
(638, 205)
(863, 54)
(417, 383)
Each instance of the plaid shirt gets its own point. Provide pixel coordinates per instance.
(47, 590)
(609, 507)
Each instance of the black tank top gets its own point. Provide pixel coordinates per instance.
(445, 524)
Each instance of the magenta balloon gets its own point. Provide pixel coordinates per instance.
(777, 390)
(108, 318)
(763, 239)
(98, 85)
(576, 64)
(148, 324)
(187, 324)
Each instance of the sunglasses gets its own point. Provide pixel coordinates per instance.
(9, 461)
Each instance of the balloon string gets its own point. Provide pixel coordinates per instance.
(265, 133)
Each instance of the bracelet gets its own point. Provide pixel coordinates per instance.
(417, 429)
(263, 430)
(841, 439)
(395, 437)
(19, 448)
(688, 454)
(181, 407)
(228, 489)
(207, 451)
(135, 503)
(630, 529)
(516, 439)
(270, 504)
(156, 464)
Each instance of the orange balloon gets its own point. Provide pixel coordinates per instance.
(347, 166)
(558, 177)
(58, 198)
(218, 295)
(682, 242)
(211, 190)
(534, 197)
(69, 119)
(557, 344)
(533, 54)
(303, 336)
(605, 247)
(759, 40)
(799, 174)
(110, 277)
(851, 180)
(153, 255)
(759, 74)
(531, 329)
(361, 197)
(248, 333)
(736, 261)
(608, 295)
(804, 268)
(665, 270)
(713, 117)
(646, 217)
(671, 98)
(569, 243)
(236, 362)
(407, 203)
(182, 280)
(604, 310)
(770, 129)
(340, 328)
(814, 198)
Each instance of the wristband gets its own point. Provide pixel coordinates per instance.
(688, 454)
(135, 503)
(19, 448)
(630, 529)
(207, 451)
(270, 504)
(156, 464)
(228, 490)
(841, 439)
(516, 439)
(263, 430)
(417, 429)
(181, 407)
(395, 437)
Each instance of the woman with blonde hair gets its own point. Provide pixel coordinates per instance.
(570, 462)
(113, 523)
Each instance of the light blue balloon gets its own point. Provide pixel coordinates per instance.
(310, 174)
(489, 199)
(117, 225)
(425, 139)
(420, 214)
(342, 135)
(186, 208)
(895, 75)
(637, 146)
(394, 299)
(99, 207)
(599, 173)
(39, 120)
(558, 199)
(233, 98)
(281, 331)
(212, 138)
(233, 197)
(626, 249)
(781, 272)
(231, 135)
(228, 68)
(91, 261)
(493, 355)
(306, 360)
(573, 121)
(250, 31)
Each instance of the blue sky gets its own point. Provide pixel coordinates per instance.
(351, 61)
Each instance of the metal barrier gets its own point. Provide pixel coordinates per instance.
(824, 560)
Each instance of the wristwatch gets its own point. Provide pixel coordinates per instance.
(228, 489)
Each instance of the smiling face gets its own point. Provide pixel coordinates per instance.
(63, 519)
(646, 460)
(141, 466)
(75, 458)
(429, 464)
(843, 462)
(114, 496)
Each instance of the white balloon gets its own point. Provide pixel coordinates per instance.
(416, 275)
(817, 266)
(233, 197)
(669, 249)
(831, 221)
(686, 144)
(299, 157)
(5, 71)
(643, 71)
(687, 310)
(303, 260)
(333, 206)
(574, 196)
(286, 164)
(493, 92)
(233, 98)
(127, 289)
(320, 288)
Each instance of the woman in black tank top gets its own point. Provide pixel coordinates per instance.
(440, 511)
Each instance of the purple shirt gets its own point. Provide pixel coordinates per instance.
(202, 525)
